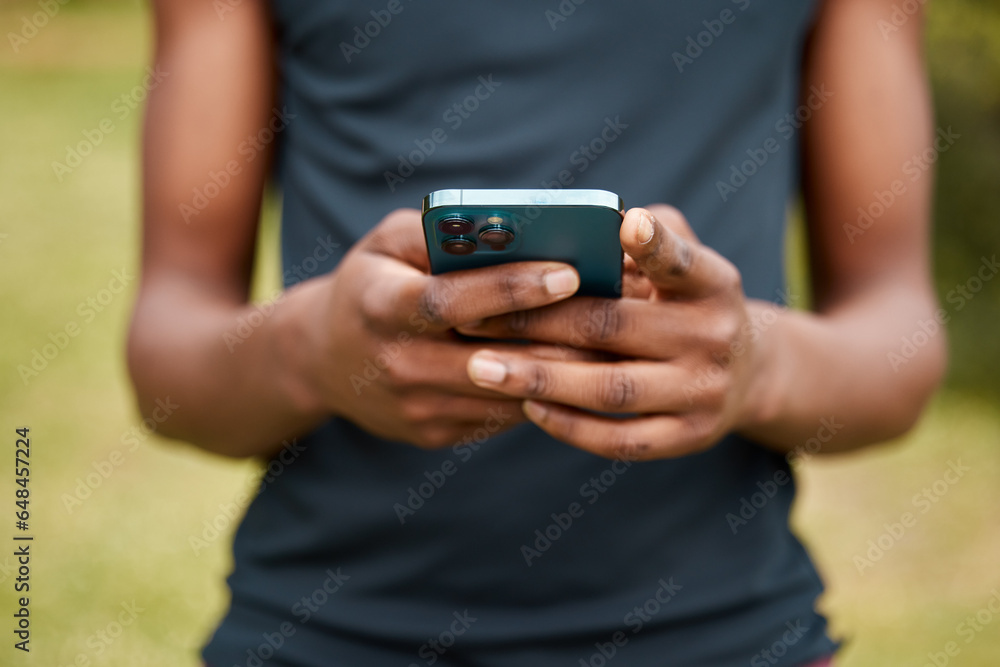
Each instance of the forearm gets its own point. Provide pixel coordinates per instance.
(842, 376)
(235, 372)
(870, 278)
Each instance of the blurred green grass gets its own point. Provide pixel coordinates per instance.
(129, 540)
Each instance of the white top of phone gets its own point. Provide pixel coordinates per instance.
(523, 198)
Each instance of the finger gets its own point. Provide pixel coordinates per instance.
(449, 433)
(627, 386)
(400, 235)
(439, 303)
(553, 352)
(435, 420)
(635, 285)
(666, 250)
(464, 414)
(401, 295)
(558, 351)
(439, 366)
(638, 439)
(630, 327)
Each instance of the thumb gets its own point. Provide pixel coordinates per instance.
(399, 235)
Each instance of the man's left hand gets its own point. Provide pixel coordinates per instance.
(683, 333)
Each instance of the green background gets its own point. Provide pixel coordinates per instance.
(129, 541)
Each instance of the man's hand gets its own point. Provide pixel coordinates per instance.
(685, 327)
(383, 354)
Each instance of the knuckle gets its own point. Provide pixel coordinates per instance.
(508, 290)
(538, 381)
(618, 390)
(714, 399)
(611, 321)
(647, 265)
(400, 372)
(701, 427)
(603, 323)
(519, 321)
(730, 278)
(721, 336)
(372, 309)
(432, 305)
(415, 411)
(681, 258)
(626, 448)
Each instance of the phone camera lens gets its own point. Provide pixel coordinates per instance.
(455, 224)
(496, 235)
(458, 246)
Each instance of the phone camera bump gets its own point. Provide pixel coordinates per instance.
(455, 224)
(496, 236)
(458, 245)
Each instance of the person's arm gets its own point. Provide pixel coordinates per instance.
(706, 360)
(371, 342)
(872, 285)
(197, 259)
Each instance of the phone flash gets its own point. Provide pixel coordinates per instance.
(494, 219)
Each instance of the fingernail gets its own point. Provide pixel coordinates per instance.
(487, 371)
(534, 411)
(644, 232)
(561, 282)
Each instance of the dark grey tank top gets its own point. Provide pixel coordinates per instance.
(519, 549)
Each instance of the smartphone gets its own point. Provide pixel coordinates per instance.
(466, 229)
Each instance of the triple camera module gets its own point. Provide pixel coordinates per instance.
(461, 239)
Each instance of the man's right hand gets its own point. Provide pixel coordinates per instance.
(382, 351)
(313, 356)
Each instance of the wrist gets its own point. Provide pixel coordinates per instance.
(768, 369)
(298, 345)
